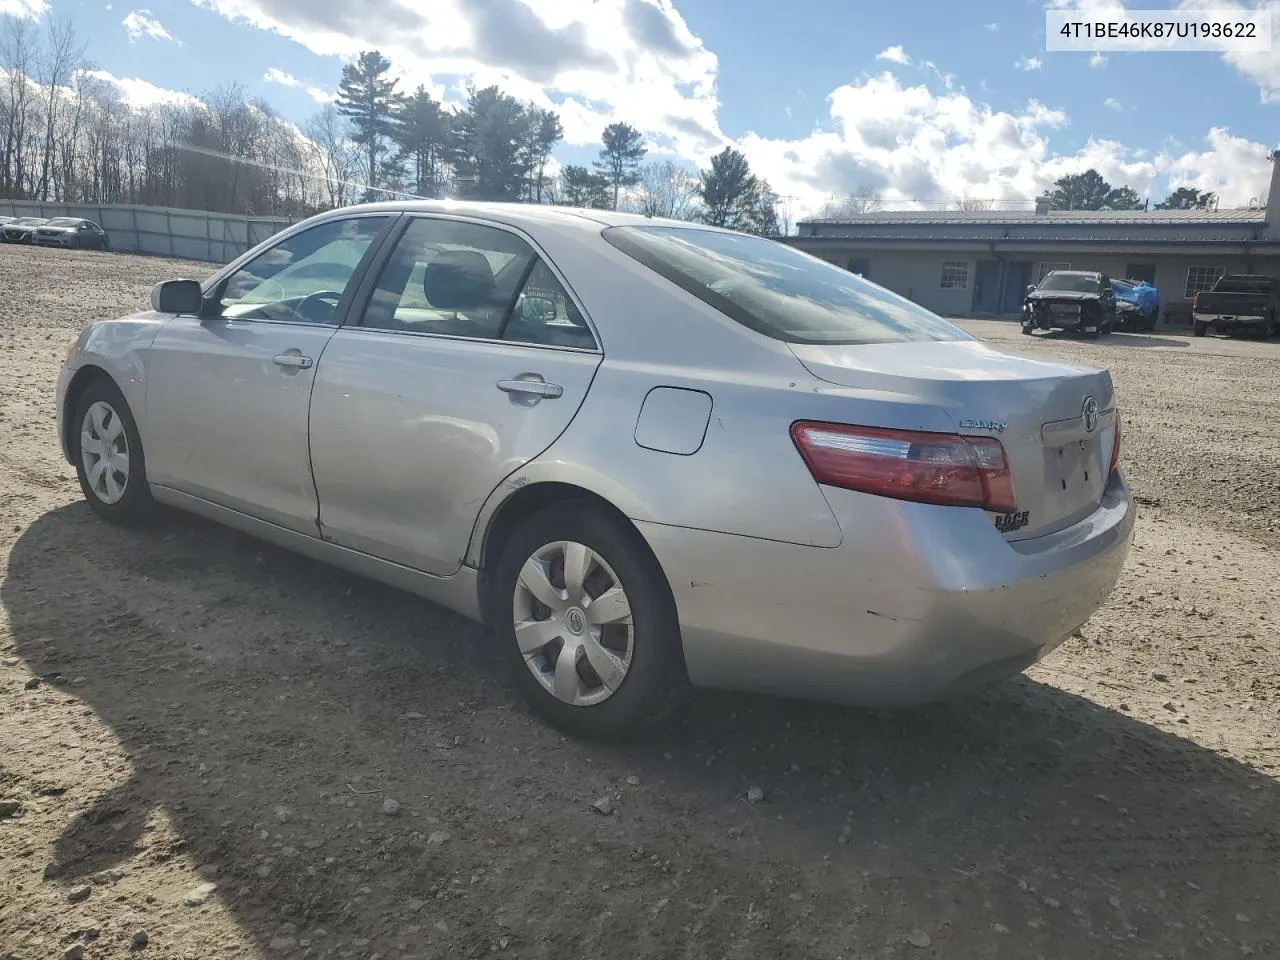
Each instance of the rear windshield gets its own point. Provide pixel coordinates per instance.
(1244, 285)
(776, 290)
(1070, 282)
(62, 222)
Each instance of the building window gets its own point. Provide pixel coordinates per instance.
(1048, 266)
(1201, 278)
(1146, 272)
(955, 274)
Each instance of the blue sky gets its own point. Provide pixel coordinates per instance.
(912, 100)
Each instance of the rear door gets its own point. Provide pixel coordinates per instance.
(468, 359)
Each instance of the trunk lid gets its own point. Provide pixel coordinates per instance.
(1058, 457)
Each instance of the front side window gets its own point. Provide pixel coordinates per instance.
(449, 277)
(303, 277)
(1200, 279)
(778, 291)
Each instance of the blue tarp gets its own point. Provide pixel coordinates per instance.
(1141, 293)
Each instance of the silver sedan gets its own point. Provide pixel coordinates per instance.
(646, 453)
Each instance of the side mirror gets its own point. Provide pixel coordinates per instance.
(1030, 287)
(177, 296)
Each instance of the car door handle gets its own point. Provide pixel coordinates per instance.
(532, 388)
(292, 360)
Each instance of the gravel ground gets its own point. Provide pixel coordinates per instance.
(212, 748)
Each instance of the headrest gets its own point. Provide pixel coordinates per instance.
(458, 280)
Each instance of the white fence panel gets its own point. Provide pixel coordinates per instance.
(162, 231)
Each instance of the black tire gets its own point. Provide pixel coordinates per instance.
(655, 682)
(1026, 328)
(1199, 329)
(135, 504)
(1092, 336)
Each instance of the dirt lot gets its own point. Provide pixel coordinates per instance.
(203, 767)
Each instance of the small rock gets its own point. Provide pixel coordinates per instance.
(1241, 918)
(283, 814)
(919, 938)
(415, 905)
(208, 870)
(31, 684)
(79, 681)
(438, 838)
(390, 807)
(1184, 720)
(999, 928)
(603, 806)
(8, 661)
(795, 768)
(1114, 901)
(1161, 677)
(283, 943)
(503, 942)
(1125, 707)
(74, 953)
(1168, 705)
(633, 781)
(754, 795)
(9, 808)
(140, 940)
(1052, 903)
(198, 896)
(78, 895)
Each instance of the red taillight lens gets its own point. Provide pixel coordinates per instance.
(908, 465)
(1195, 302)
(1115, 445)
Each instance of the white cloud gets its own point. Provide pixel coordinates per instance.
(596, 61)
(142, 93)
(1111, 103)
(24, 9)
(318, 94)
(1236, 169)
(141, 23)
(894, 54)
(1029, 63)
(1262, 67)
(1098, 60)
(993, 27)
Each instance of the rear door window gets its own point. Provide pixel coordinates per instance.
(778, 291)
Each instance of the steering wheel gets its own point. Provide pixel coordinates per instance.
(330, 297)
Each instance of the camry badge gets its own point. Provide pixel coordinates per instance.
(1090, 414)
(996, 426)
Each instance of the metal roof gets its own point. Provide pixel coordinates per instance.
(1052, 218)
(1048, 240)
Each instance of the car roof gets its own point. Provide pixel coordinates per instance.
(519, 214)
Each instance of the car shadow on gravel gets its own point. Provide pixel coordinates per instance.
(1119, 338)
(352, 763)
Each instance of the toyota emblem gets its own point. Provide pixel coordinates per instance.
(1090, 414)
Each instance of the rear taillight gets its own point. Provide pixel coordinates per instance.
(1115, 445)
(1195, 302)
(908, 465)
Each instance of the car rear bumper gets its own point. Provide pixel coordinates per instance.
(919, 601)
(1229, 319)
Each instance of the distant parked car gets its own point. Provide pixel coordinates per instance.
(20, 229)
(71, 232)
(1137, 304)
(1238, 302)
(1079, 300)
(5, 219)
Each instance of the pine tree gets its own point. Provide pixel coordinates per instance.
(620, 156)
(730, 192)
(426, 141)
(369, 99)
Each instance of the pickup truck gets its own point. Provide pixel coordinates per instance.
(1238, 302)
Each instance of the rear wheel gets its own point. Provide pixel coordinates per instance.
(108, 455)
(588, 623)
(1198, 329)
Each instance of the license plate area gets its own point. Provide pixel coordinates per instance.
(1074, 470)
(1065, 309)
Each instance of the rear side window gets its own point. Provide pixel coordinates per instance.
(778, 291)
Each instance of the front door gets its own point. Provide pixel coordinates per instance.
(228, 393)
(1016, 278)
(469, 360)
(986, 287)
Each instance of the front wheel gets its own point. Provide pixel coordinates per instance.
(588, 623)
(108, 455)
(1199, 329)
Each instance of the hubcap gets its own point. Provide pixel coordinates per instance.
(104, 450)
(573, 623)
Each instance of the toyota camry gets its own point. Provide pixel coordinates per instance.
(648, 454)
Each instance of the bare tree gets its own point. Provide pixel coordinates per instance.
(973, 205)
(861, 201)
(62, 55)
(337, 157)
(17, 49)
(666, 190)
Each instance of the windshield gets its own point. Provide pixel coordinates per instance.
(1070, 282)
(28, 221)
(776, 290)
(1244, 284)
(63, 222)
